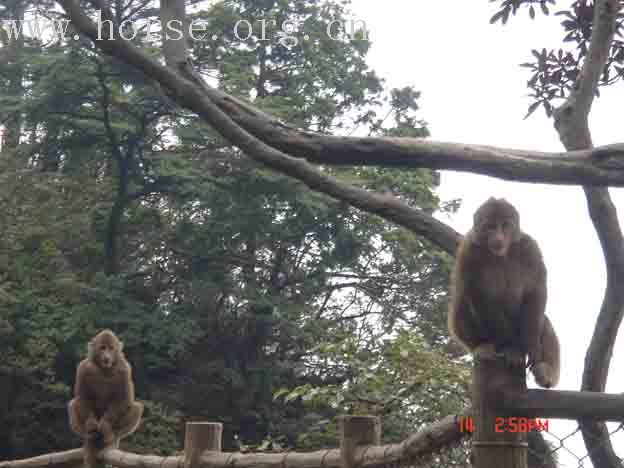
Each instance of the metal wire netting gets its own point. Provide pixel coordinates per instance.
(569, 448)
(564, 447)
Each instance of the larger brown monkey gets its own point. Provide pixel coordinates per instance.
(498, 293)
(103, 409)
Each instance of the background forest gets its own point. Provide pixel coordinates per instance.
(241, 296)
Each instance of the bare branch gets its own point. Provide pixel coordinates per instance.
(600, 166)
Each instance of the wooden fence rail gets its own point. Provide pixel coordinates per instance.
(496, 392)
(358, 446)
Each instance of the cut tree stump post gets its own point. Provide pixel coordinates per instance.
(200, 437)
(494, 444)
(355, 432)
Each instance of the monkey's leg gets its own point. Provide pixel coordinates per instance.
(83, 423)
(81, 420)
(485, 351)
(509, 343)
(514, 357)
(128, 422)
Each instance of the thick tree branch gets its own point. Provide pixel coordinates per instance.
(190, 95)
(602, 166)
(571, 121)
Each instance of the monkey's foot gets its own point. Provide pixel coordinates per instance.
(484, 351)
(514, 358)
(108, 436)
(94, 437)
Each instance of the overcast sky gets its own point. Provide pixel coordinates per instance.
(473, 91)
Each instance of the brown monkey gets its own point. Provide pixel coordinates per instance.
(498, 293)
(103, 409)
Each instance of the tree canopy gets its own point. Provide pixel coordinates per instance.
(172, 201)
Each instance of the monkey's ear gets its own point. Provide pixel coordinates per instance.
(477, 219)
(90, 350)
(120, 346)
(478, 214)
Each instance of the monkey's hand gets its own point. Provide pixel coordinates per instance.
(485, 351)
(106, 429)
(92, 425)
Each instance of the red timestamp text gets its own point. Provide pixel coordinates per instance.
(513, 424)
(508, 424)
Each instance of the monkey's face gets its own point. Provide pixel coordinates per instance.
(105, 349)
(496, 225)
(499, 235)
(105, 353)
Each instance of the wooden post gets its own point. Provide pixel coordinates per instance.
(495, 442)
(356, 431)
(199, 437)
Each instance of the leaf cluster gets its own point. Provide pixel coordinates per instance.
(554, 72)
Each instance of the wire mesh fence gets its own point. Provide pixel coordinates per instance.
(568, 446)
(552, 443)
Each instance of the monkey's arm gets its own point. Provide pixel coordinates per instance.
(82, 391)
(462, 320)
(84, 403)
(534, 306)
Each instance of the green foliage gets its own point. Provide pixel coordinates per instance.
(513, 6)
(160, 431)
(399, 377)
(221, 277)
(318, 83)
(554, 72)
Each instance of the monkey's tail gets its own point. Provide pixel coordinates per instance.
(545, 375)
(547, 364)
